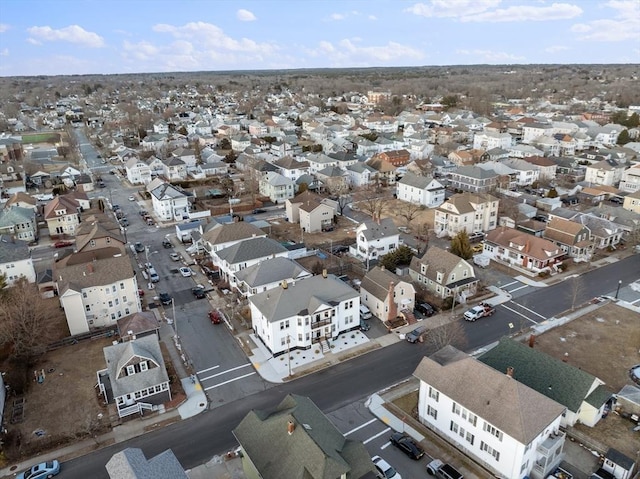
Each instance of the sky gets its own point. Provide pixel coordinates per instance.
(59, 37)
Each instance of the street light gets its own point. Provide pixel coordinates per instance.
(618, 290)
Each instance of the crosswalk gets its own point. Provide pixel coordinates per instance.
(210, 378)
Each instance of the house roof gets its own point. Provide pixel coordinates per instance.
(138, 323)
(95, 273)
(563, 231)
(526, 244)
(271, 271)
(227, 233)
(503, 401)
(375, 230)
(131, 463)
(16, 215)
(314, 450)
(437, 260)
(120, 355)
(377, 281)
(467, 202)
(13, 250)
(555, 379)
(60, 202)
(421, 182)
(93, 231)
(167, 191)
(251, 249)
(302, 298)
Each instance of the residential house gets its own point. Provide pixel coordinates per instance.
(246, 253)
(221, 236)
(605, 172)
(526, 173)
(360, 174)
(473, 179)
(526, 253)
(296, 439)
(174, 169)
(22, 200)
(62, 215)
(188, 230)
(523, 151)
(15, 260)
(574, 238)
(130, 463)
(269, 274)
(156, 166)
(422, 190)
(632, 202)
(135, 377)
(532, 131)
(583, 395)
(604, 233)
(387, 295)
(615, 466)
(19, 223)
(630, 179)
(187, 156)
(487, 140)
(276, 187)
(169, 202)
(465, 157)
(545, 166)
(466, 212)
(444, 274)
(138, 172)
(507, 427)
(138, 325)
(375, 239)
(313, 212)
(333, 178)
(305, 313)
(292, 168)
(385, 172)
(97, 293)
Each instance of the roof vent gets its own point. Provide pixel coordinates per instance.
(284, 284)
(307, 427)
(290, 427)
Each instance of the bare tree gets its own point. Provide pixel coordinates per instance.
(409, 211)
(451, 333)
(576, 287)
(372, 202)
(27, 320)
(339, 190)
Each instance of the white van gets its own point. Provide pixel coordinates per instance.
(365, 313)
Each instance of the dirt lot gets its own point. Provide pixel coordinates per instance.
(604, 343)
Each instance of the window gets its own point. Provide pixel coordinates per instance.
(432, 412)
(131, 370)
(92, 242)
(87, 307)
(84, 294)
(485, 447)
(434, 394)
(492, 430)
(469, 438)
(121, 285)
(144, 366)
(111, 304)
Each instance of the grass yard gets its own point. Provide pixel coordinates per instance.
(42, 138)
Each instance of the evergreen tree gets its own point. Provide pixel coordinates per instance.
(460, 245)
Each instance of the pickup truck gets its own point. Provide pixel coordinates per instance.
(481, 311)
(444, 471)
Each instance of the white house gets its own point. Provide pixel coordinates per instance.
(269, 274)
(174, 169)
(605, 172)
(422, 190)
(97, 293)
(304, 313)
(386, 294)
(277, 187)
(470, 212)
(138, 172)
(15, 260)
(169, 203)
(630, 179)
(505, 426)
(487, 140)
(375, 239)
(360, 174)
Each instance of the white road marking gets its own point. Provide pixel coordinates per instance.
(519, 314)
(376, 436)
(229, 381)
(530, 310)
(360, 427)
(636, 301)
(225, 372)
(208, 369)
(509, 284)
(517, 289)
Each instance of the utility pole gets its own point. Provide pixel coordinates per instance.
(289, 352)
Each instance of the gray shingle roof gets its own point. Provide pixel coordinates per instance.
(11, 250)
(251, 249)
(376, 282)
(416, 181)
(270, 271)
(504, 402)
(227, 233)
(96, 273)
(130, 463)
(555, 379)
(385, 229)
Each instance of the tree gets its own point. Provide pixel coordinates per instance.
(623, 137)
(27, 321)
(409, 211)
(339, 191)
(371, 204)
(449, 334)
(450, 101)
(460, 245)
(399, 256)
(552, 193)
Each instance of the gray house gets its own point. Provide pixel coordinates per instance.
(132, 464)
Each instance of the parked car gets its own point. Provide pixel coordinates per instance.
(139, 247)
(42, 470)
(132, 198)
(257, 211)
(166, 243)
(165, 298)
(185, 272)
(425, 309)
(444, 471)
(199, 292)
(175, 256)
(477, 236)
(385, 468)
(215, 317)
(364, 326)
(406, 445)
(414, 336)
(477, 248)
(62, 244)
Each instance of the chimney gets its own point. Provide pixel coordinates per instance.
(284, 284)
(290, 427)
(90, 268)
(393, 307)
(324, 273)
(532, 340)
(510, 371)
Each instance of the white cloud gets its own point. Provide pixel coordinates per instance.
(372, 17)
(245, 15)
(490, 56)
(625, 24)
(4, 27)
(4, 52)
(72, 34)
(556, 48)
(348, 52)
(527, 13)
(337, 16)
(452, 8)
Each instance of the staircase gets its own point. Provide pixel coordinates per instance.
(408, 316)
(326, 347)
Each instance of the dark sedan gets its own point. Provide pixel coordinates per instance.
(406, 445)
(165, 298)
(425, 309)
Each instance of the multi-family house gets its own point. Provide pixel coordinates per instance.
(169, 202)
(487, 140)
(187, 155)
(444, 274)
(630, 179)
(220, 236)
(385, 172)
(632, 202)
(360, 174)
(62, 215)
(466, 212)
(19, 222)
(291, 168)
(138, 172)
(507, 427)
(296, 436)
(246, 253)
(135, 378)
(97, 293)
(387, 295)
(174, 169)
(473, 179)
(522, 251)
(526, 173)
(302, 314)
(605, 172)
(276, 187)
(545, 166)
(313, 212)
(332, 178)
(583, 395)
(574, 238)
(532, 131)
(156, 166)
(422, 190)
(375, 239)
(22, 200)
(268, 274)
(15, 260)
